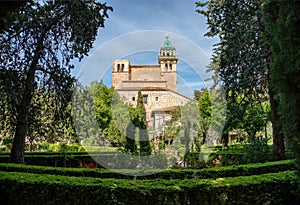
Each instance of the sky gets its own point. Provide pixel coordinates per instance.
(136, 29)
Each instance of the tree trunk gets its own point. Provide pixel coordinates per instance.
(17, 151)
(278, 137)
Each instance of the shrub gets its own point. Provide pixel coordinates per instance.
(230, 171)
(44, 145)
(25, 188)
(53, 148)
(256, 151)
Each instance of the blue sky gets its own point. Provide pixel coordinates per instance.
(135, 30)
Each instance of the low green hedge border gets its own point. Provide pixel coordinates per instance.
(27, 188)
(57, 160)
(59, 153)
(73, 159)
(229, 171)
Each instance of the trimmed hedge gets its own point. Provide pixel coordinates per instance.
(27, 188)
(59, 160)
(73, 159)
(229, 171)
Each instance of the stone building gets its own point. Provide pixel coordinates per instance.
(157, 83)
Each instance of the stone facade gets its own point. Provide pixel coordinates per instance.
(157, 83)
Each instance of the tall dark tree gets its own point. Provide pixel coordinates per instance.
(140, 122)
(242, 60)
(37, 50)
(130, 144)
(282, 19)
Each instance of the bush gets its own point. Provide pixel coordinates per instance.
(25, 188)
(230, 171)
(256, 151)
(44, 145)
(8, 141)
(53, 148)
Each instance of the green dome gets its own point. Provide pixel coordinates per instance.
(168, 43)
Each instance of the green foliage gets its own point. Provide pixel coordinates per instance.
(84, 115)
(145, 148)
(205, 111)
(108, 107)
(207, 173)
(273, 188)
(241, 61)
(36, 52)
(281, 19)
(102, 96)
(8, 142)
(8, 11)
(172, 126)
(138, 120)
(44, 145)
(256, 151)
(130, 145)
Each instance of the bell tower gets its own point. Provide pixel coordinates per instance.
(167, 59)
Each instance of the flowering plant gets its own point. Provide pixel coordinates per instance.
(216, 162)
(86, 165)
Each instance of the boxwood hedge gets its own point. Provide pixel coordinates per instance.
(28, 188)
(229, 171)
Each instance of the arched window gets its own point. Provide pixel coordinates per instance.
(170, 66)
(118, 68)
(122, 70)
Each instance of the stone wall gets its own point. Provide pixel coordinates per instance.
(156, 100)
(145, 73)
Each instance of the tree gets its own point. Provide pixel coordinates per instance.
(103, 97)
(84, 116)
(120, 119)
(205, 110)
(138, 120)
(242, 60)
(172, 127)
(7, 8)
(130, 144)
(281, 19)
(190, 125)
(43, 124)
(141, 124)
(112, 113)
(37, 50)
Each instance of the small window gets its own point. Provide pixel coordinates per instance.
(145, 99)
(122, 70)
(133, 98)
(118, 67)
(170, 66)
(156, 98)
(166, 66)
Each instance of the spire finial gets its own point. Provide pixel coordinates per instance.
(167, 36)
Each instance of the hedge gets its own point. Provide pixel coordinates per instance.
(59, 160)
(60, 153)
(116, 160)
(27, 188)
(230, 171)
